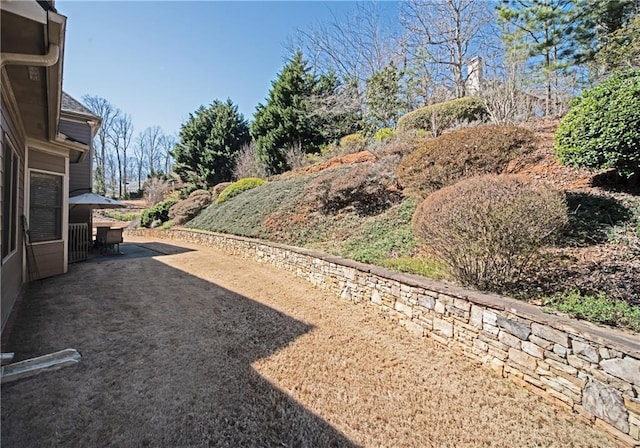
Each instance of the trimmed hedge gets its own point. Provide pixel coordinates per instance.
(444, 160)
(602, 129)
(238, 187)
(443, 115)
(488, 228)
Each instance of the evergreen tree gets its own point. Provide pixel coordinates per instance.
(383, 98)
(602, 23)
(546, 29)
(622, 51)
(285, 120)
(335, 107)
(209, 142)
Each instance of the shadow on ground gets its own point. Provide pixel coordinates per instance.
(591, 217)
(166, 361)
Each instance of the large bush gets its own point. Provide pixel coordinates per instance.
(238, 187)
(366, 187)
(489, 149)
(438, 117)
(602, 129)
(488, 228)
(159, 212)
(187, 209)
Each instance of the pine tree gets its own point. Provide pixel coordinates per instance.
(546, 29)
(209, 142)
(285, 120)
(383, 98)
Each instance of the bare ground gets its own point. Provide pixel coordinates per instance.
(185, 346)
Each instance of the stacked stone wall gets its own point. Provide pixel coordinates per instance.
(591, 370)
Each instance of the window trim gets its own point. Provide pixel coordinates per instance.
(62, 208)
(7, 144)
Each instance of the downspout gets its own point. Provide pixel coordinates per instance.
(36, 60)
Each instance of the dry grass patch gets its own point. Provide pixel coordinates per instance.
(197, 348)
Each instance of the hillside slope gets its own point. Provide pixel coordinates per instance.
(353, 208)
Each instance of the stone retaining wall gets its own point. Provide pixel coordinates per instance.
(592, 370)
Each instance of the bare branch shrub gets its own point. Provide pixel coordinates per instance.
(367, 187)
(155, 189)
(489, 228)
(247, 164)
(506, 104)
(295, 156)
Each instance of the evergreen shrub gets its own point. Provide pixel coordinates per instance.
(602, 129)
(238, 187)
(159, 212)
(441, 116)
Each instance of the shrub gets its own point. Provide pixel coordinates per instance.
(441, 116)
(187, 190)
(353, 143)
(219, 188)
(295, 156)
(119, 216)
(154, 189)
(367, 187)
(602, 128)
(247, 163)
(159, 212)
(468, 152)
(238, 187)
(189, 208)
(384, 134)
(488, 228)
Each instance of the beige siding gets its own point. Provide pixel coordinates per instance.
(49, 258)
(47, 162)
(11, 269)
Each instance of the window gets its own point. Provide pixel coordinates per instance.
(45, 207)
(9, 198)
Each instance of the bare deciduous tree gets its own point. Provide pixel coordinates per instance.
(108, 112)
(121, 137)
(167, 145)
(442, 35)
(150, 141)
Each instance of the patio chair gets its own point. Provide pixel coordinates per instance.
(111, 240)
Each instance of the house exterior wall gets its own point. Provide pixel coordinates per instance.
(11, 273)
(79, 173)
(80, 176)
(46, 162)
(76, 130)
(50, 256)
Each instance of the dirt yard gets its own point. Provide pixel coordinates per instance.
(184, 346)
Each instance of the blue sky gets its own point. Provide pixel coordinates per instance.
(159, 61)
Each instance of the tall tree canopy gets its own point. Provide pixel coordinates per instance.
(603, 23)
(546, 31)
(285, 120)
(209, 142)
